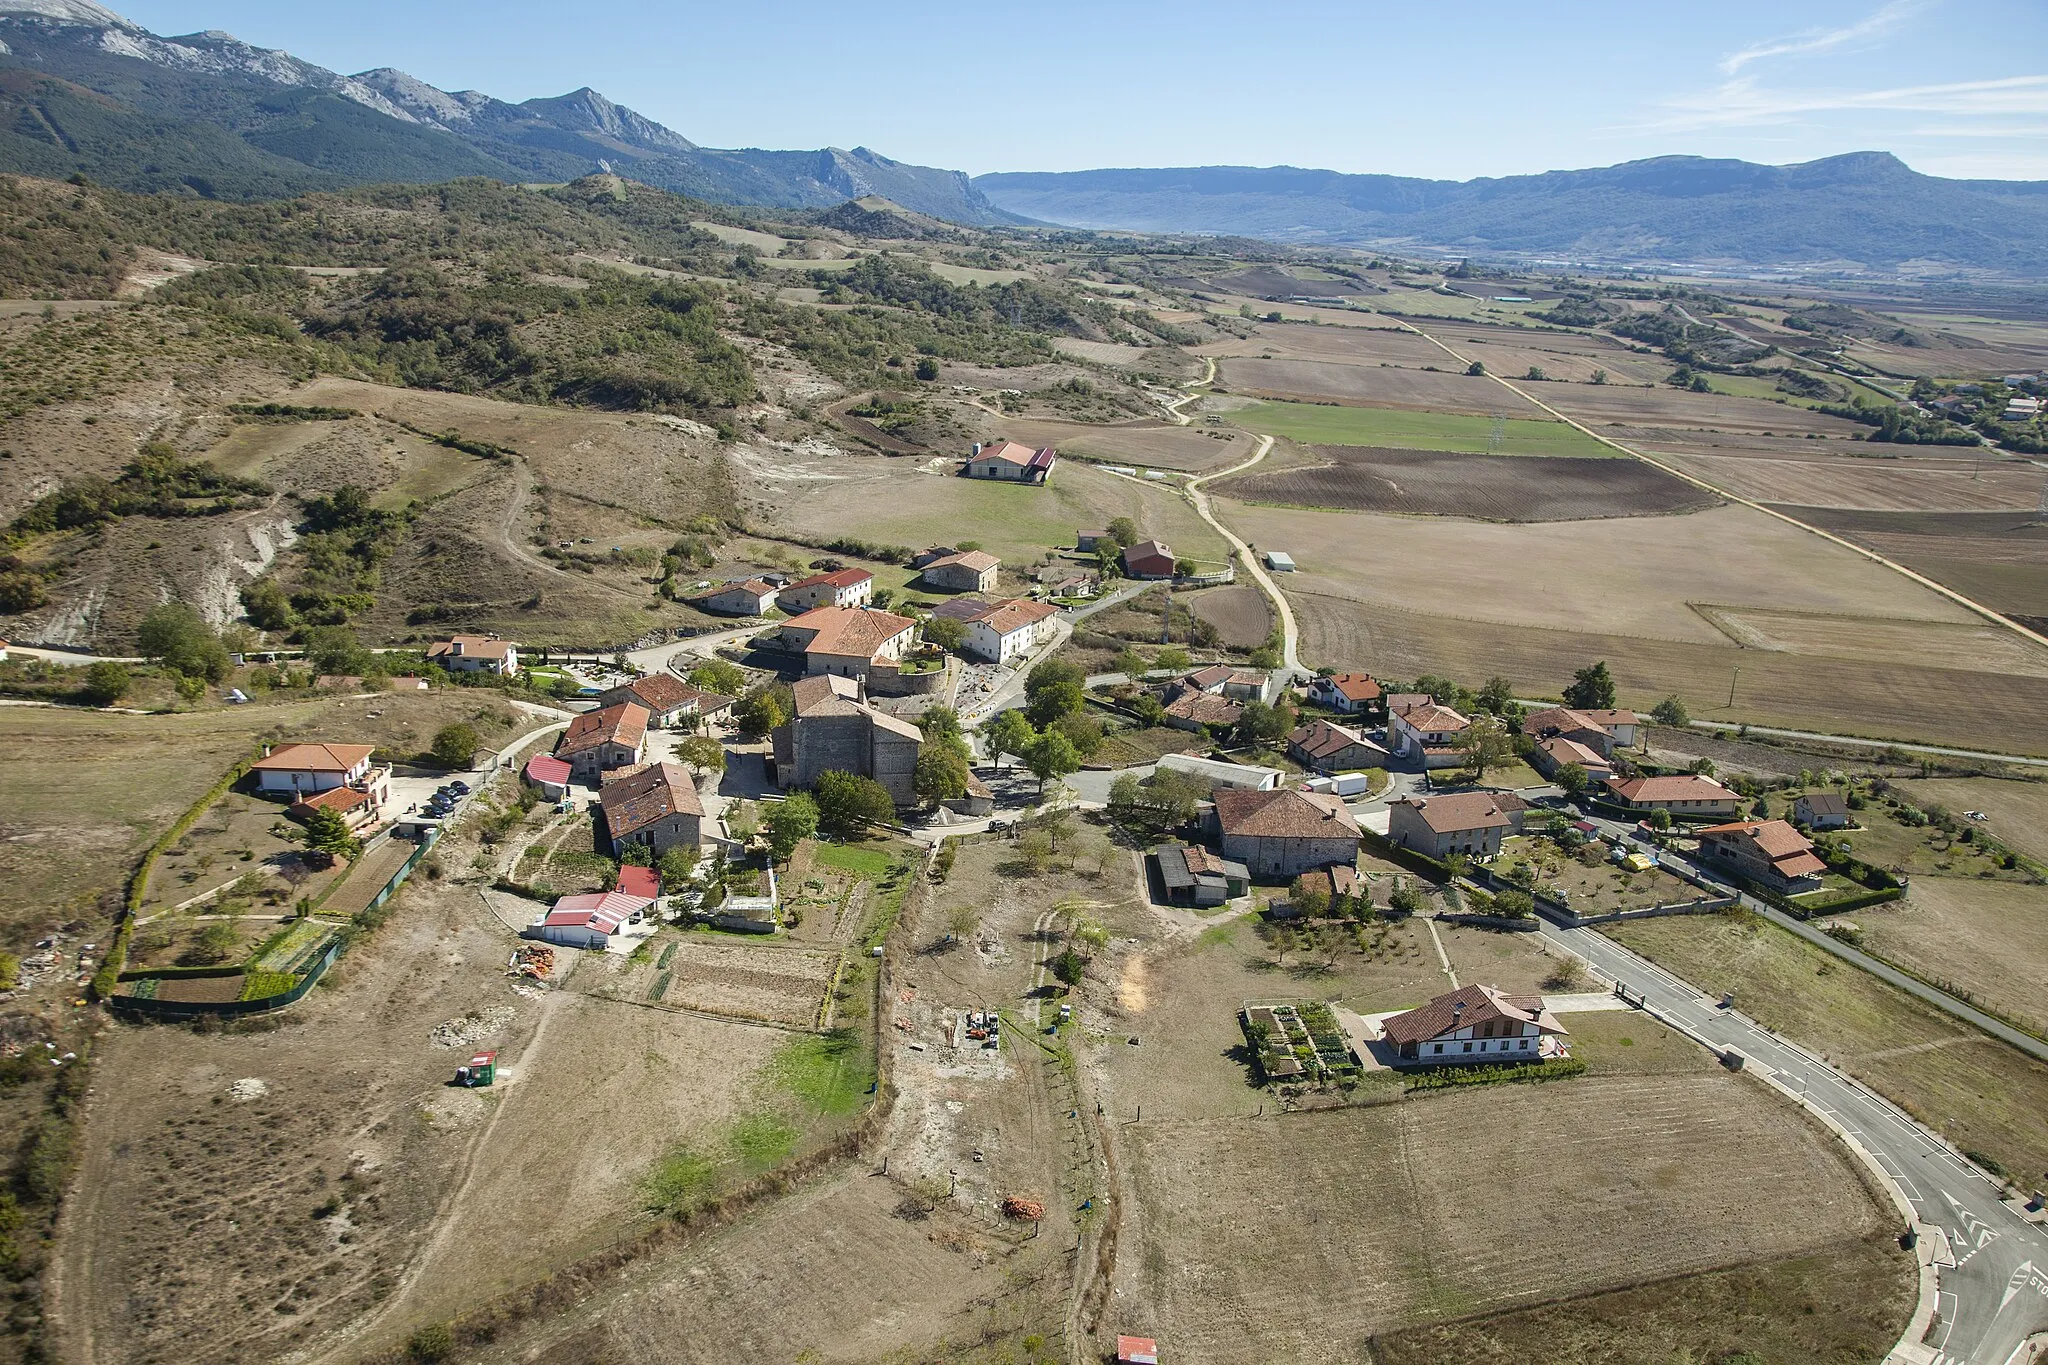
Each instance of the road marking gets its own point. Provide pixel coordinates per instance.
(2025, 1277)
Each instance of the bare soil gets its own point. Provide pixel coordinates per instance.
(1512, 488)
(1904, 485)
(1242, 616)
(1371, 386)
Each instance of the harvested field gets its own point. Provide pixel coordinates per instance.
(1367, 343)
(1998, 558)
(1876, 698)
(1319, 424)
(1978, 1093)
(1157, 446)
(1984, 940)
(1980, 646)
(1242, 616)
(1268, 280)
(368, 877)
(2018, 810)
(1479, 487)
(1848, 1303)
(1654, 1177)
(1308, 380)
(1600, 406)
(1905, 485)
(1649, 572)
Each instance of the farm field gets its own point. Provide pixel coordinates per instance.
(1016, 523)
(1654, 1176)
(1979, 1094)
(1316, 424)
(1979, 646)
(2018, 810)
(1649, 573)
(740, 979)
(1986, 940)
(1242, 616)
(1851, 1302)
(1882, 699)
(1601, 406)
(1903, 485)
(1367, 343)
(1998, 558)
(1516, 488)
(1311, 380)
(1161, 446)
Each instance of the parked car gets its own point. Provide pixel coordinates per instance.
(460, 788)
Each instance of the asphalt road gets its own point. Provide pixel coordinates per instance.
(1992, 1265)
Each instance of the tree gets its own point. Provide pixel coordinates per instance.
(1571, 778)
(1599, 376)
(1496, 696)
(106, 682)
(1475, 368)
(790, 822)
(1310, 895)
(941, 774)
(1006, 732)
(719, 675)
(1536, 373)
(927, 368)
(173, 635)
(1485, 743)
(267, 605)
(939, 725)
(1512, 904)
(962, 920)
(455, 745)
(1124, 531)
(1131, 664)
(945, 632)
(1660, 818)
(1149, 710)
(1126, 799)
(1592, 689)
(1671, 712)
(678, 861)
(1051, 690)
(1175, 795)
(1050, 757)
(703, 753)
(1762, 809)
(327, 832)
(1083, 732)
(1404, 899)
(761, 711)
(848, 804)
(1172, 658)
(1704, 767)
(1263, 724)
(335, 651)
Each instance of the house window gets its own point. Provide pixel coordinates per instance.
(1525, 1045)
(1439, 1048)
(1468, 1047)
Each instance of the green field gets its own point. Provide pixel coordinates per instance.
(1316, 424)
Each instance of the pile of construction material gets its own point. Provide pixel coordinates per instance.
(535, 960)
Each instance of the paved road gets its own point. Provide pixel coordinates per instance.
(1879, 744)
(1289, 636)
(1992, 1264)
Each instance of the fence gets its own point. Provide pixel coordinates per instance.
(152, 1008)
(1706, 905)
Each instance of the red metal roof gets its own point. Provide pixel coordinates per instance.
(547, 768)
(635, 880)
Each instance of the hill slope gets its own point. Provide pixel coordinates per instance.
(84, 90)
(1864, 209)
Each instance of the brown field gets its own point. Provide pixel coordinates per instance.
(1985, 940)
(740, 979)
(1978, 1093)
(1653, 1176)
(1160, 446)
(1905, 485)
(1368, 343)
(1850, 1305)
(2018, 810)
(1372, 386)
(1979, 646)
(1560, 358)
(1515, 488)
(1242, 616)
(1602, 406)
(1645, 578)
(1998, 558)
(1880, 699)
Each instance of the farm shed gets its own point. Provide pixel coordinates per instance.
(549, 776)
(1217, 773)
(1279, 561)
(588, 921)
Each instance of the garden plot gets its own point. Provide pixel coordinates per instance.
(1616, 1179)
(744, 981)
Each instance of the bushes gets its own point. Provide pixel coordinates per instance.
(1445, 1078)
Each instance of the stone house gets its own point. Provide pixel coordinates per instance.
(1285, 832)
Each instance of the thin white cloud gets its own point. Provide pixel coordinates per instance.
(1743, 102)
(1877, 25)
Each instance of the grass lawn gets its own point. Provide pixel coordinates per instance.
(1979, 1093)
(872, 863)
(1508, 777)
(1315, 424)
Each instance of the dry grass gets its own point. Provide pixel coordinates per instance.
(1514, 488)
(1985, 940)
(1980, 1094)
(2018, 810)
(1871, 485)
(1310, 380)
(1653, 1176)
(1196, 447)
(1601, 406)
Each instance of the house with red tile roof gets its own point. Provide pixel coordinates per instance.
(1768, 851)
(356, 807)
(301, 770)
(848, 641)
(1686, 795)
(1284, 832)
(1468, 823)
(1189, 709)
(840, 588)
(1475, 1024)
(1328, 747)
(1011, 631)
(656, 808)
(1600, 731)
(1423, 727)
(1009, 461)
(962, 571)
(1350, 693)
(671, 703)
(1551, 754)
(598, 741)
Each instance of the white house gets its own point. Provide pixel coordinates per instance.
(847, 641)
(299, 770)
(475, 654)
(1011, 461)
(840, 588)
(1011, 631)
(1475, 1024)
(1349, 693)
(1427, 729)
(588, 921)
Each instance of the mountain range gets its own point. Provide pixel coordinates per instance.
(1864, 209)
(83, 90)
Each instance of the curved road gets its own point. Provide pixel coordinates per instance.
(1991, 1265)
(1199, 500)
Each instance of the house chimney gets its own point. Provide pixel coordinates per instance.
(977, 447)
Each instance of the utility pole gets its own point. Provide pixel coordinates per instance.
(1731, 685)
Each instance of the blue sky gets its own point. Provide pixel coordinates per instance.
(1955, 87)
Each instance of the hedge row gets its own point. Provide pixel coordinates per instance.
(1446, 1077)
(1407, 857)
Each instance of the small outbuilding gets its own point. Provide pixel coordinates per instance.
(1279, 561)
(589, 921)
(549, 776)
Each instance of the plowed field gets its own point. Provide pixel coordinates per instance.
(1482, 487)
